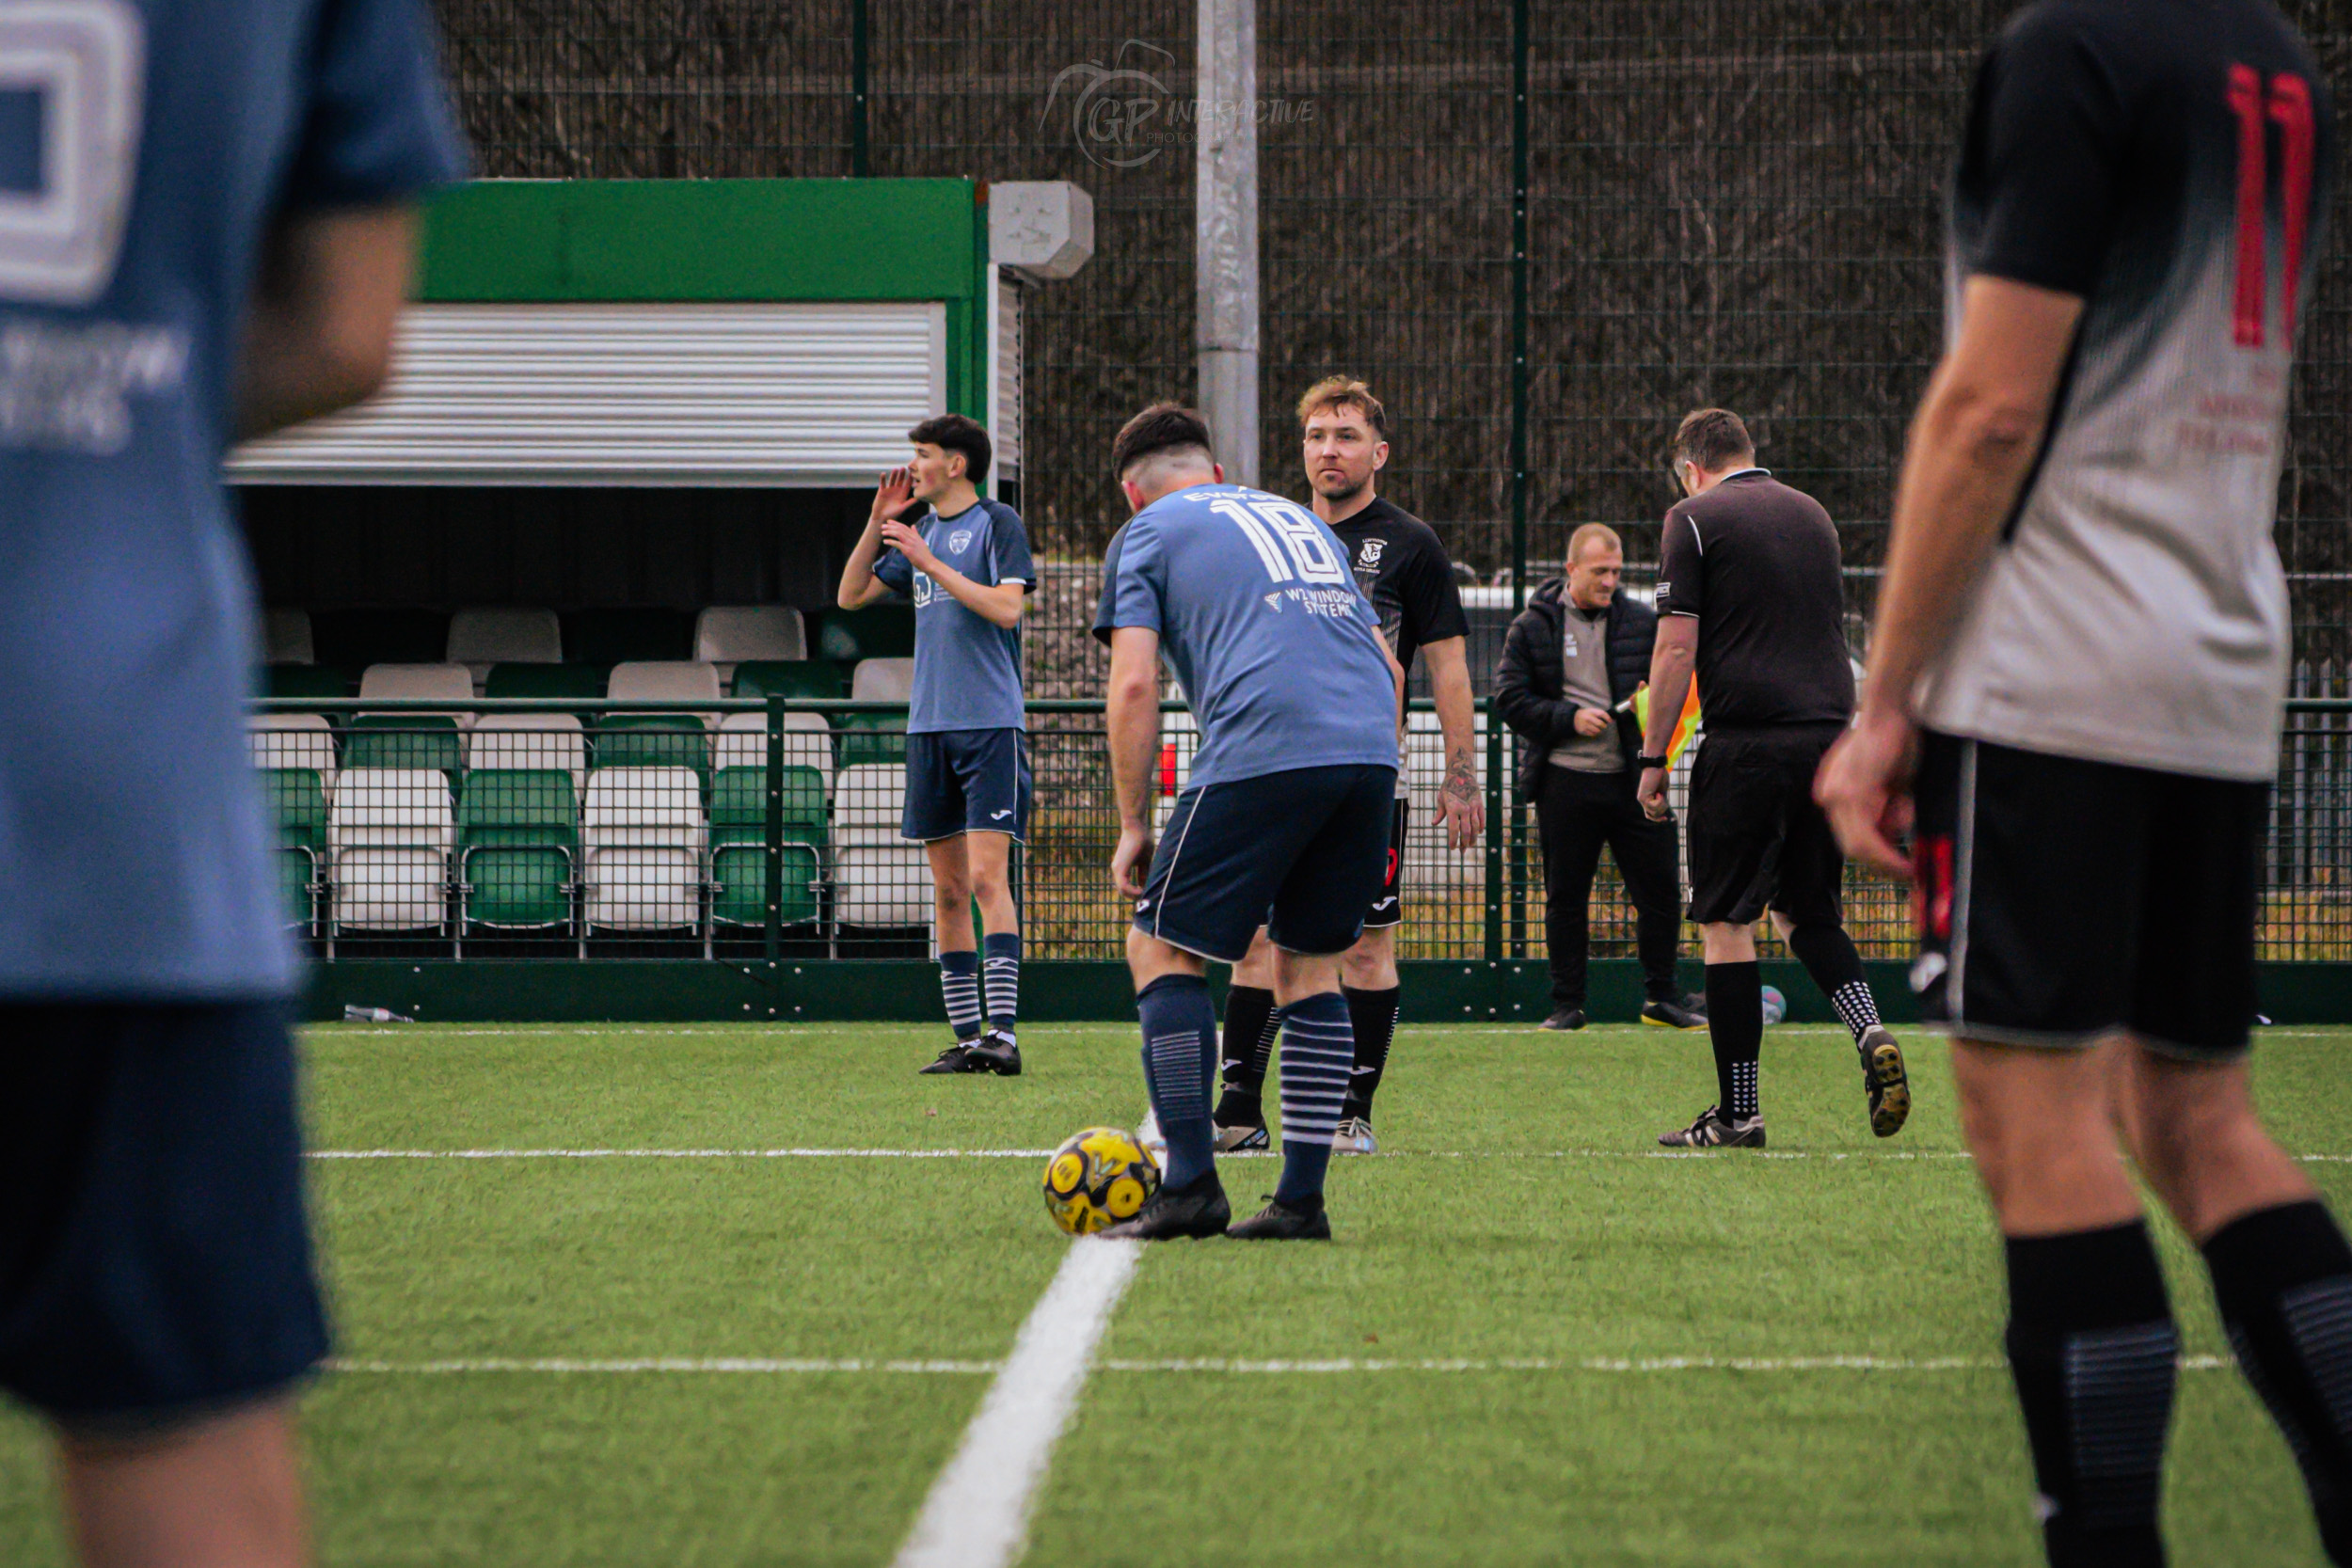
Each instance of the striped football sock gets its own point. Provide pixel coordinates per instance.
(1318, 1053)
(959, 986)
(1002, 980)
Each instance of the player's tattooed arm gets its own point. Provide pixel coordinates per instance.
(1460, 804)
(859, 585)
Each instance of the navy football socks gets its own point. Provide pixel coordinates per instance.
(1318, 1054)
(1178, 1064)
(1001, 978)
(959, 986)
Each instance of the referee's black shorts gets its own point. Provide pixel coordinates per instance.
(1757, 841)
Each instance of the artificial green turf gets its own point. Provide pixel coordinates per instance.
(1519, 1219)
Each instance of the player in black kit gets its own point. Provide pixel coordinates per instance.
(2082, 640)
(1404, 571)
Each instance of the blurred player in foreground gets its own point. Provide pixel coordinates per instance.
(2081, 647)
(1402, 567)
(220, 241)
(1285, 819)
(965, 563)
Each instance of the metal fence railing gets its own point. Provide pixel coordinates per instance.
(747, 828)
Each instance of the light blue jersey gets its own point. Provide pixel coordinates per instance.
(146, 147)
(1260, 618)
(967, 669)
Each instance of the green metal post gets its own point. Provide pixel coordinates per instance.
(1518, 435)
(774, 834)
(858, 90)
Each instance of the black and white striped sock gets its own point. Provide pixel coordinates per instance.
(1002, 976)
(1856, 1005)
(960, 988)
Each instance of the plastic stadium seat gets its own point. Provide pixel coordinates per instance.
(882, 680)
(292, 741)
(614, 636)
(404, 741)
(558, 682)
(653, 740)
(808, 741)
(739, 836)
(485, 637)
(517, 840)
(878, 631)
(733, 634)
(388, 834)
(297, 799)
(807, 677)
(452, 683)
(643, 831)
(881, 884)
(530, 740)
(663, 681)
(867, 797)
(286, 637)
(872, 737)
(299, 681)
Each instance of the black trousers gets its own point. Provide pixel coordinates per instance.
(1575, 815)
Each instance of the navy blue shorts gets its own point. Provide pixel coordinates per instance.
(154, 1248)
(1303, 853)
(967, 781)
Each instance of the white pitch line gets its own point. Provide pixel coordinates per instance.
(978, 1512)
(1897, 1156)
(740, 1365)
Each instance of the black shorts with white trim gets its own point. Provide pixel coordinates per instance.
(2060, 901)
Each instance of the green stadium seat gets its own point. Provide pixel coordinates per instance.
(738, 800)
(739, 836)
(297, 798)
(654, 740)
(309, 681)
(868, 737)
(739, 874)
(546, 681)
(801, 678)
(393, 740)
(517, 841)
(878, 631)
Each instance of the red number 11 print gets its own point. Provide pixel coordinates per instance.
(2289, 103)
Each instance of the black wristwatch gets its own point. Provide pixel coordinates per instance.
(1652, 761)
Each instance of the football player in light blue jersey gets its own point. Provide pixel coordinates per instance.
(1285, 822)
(207, 233)
(965, 563)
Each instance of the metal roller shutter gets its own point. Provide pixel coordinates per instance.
(770, 394)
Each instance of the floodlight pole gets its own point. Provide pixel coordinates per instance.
(1225, 204)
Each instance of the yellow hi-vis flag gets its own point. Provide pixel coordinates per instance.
(1639, 702)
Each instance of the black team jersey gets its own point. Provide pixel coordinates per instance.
(1404, 571)
(2169, 161)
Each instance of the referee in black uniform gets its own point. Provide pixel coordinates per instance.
(1750, 595)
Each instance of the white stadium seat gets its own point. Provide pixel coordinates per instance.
(511, 741)
(807, 742)
(665, 681)
(737, 634)
(871, 795)
(449, 683)
(881, 883)
(286, 637)
(483, 636)
(292, 741)
(882, 680)
(645, 842)
(388, 831)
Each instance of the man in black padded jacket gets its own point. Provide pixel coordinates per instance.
(1574, 655)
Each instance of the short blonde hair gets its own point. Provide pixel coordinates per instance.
(1589, 532)
(1345, 391)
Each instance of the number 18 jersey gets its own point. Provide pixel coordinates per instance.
(1260, 618)
(2168, 162)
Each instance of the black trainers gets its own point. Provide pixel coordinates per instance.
(1565, 1018)
(956, 1058)
(1198, 1210)
(1883, 1078)
(1309, 1220)
(1713, 1129)
(994, 1053)
(1672, 1015)
(1242, 1137)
